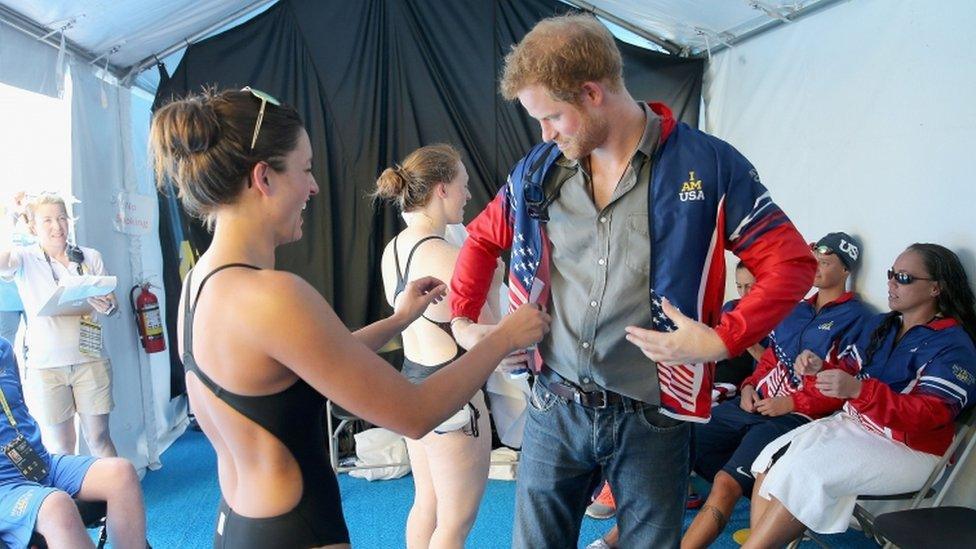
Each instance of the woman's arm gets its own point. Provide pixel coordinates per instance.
(414, 300)
(295, 326)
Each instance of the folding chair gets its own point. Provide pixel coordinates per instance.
(928, 527)
(934, 489)
(939, 481)
(338, 420)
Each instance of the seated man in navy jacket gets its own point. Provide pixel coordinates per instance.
(36, 488)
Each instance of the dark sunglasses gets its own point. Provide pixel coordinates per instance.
(822, 250)
(265, 98)
(904, 279)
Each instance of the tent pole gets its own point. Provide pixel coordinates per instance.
(45, 35)
(669, 46)
(151, 60)
(809, 9)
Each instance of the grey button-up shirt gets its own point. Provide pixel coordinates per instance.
(600, 260)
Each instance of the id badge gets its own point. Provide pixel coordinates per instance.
(26, 459)
(90, 340)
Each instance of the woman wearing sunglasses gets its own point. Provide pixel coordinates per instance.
(262, 349)
(906, 379)
(450, 464)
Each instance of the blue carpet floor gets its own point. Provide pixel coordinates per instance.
(181, 501)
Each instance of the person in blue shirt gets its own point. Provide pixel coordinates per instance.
(36, 488)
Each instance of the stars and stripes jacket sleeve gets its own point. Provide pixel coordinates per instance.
(489, 234)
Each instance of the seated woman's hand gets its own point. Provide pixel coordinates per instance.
(749, 398)
(417, 296)
(838, 384)
(808, 363)
(775, 406)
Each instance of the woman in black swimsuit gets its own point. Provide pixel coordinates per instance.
(262, 349)
(450, 464)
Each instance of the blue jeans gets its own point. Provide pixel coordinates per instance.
(568, 448)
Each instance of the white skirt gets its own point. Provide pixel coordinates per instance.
(829, 463)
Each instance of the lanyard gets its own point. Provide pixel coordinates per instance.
(7, 411)
(54, 274)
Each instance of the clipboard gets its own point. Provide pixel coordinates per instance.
(54, 307)
(71, 296)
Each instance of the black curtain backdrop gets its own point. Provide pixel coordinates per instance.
(374, 80)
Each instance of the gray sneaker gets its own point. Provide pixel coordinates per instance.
(598, 544)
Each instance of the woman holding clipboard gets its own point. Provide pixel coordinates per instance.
(67, 371)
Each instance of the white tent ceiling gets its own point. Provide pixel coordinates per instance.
(129, 33)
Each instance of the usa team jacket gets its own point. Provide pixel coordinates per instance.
(704, 198)
(827, 333)
(913, 389)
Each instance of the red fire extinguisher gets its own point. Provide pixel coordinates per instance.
(148, 320)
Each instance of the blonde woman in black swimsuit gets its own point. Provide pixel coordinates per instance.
(450, 464)
(262, 348)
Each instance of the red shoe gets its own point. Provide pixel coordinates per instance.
(694, 501)
(603, 507)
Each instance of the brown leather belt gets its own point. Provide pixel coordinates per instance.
(591, 399)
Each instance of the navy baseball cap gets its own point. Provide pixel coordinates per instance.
(847, 248)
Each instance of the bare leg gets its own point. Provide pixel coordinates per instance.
(114, 481)
(95, 429)
(612, 537)
(759, 504)
(59, 522)
(423, 512)
(714, 515)
(459, 471)
(60, 438)
(776, 528)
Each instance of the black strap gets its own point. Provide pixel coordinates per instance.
(403, 276)
(190, 311)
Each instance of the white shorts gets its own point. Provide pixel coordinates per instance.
(829, 463)
(53, 395)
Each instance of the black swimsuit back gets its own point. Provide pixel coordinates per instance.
(414, 371)
(294, 416)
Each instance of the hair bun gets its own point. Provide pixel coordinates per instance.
(195, 126)
(391, 183)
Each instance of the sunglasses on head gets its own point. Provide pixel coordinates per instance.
(265, 98)
(822, 250)
(904, 279)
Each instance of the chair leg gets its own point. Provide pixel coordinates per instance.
(103, 536)
(333, 443)
(807, 534)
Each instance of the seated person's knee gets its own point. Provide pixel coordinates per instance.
(58, 511)
(122, 473)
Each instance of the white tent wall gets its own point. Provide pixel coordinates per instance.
(861, 119)
(109, 157)
(110, 127)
